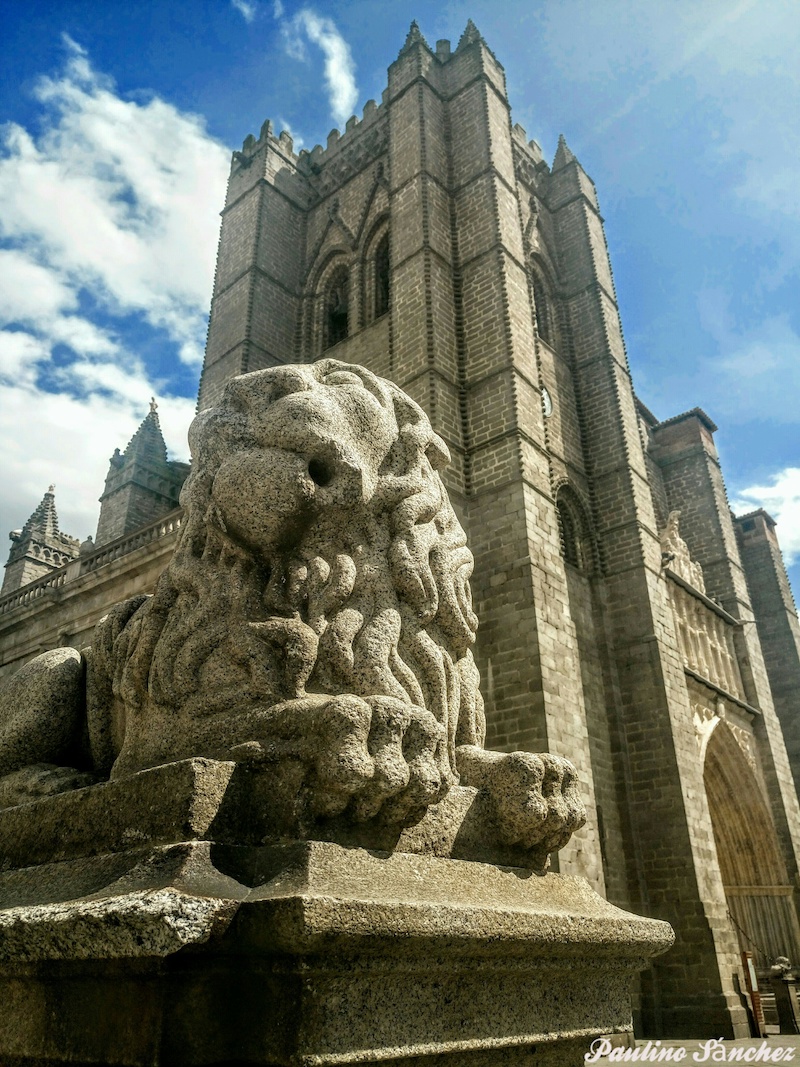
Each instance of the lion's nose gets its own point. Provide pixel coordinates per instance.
(285, 380)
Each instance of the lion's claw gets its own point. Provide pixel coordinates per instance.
(378, 755)
(536, 798)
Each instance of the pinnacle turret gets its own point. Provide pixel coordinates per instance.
(147, 444)
(44, 520)
(470, 35)
(142, 484)
(413, 38)
(564, 154)
(39, 547)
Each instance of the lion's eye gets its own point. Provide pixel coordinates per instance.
(343, 377)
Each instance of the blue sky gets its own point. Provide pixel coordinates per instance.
(118, 123)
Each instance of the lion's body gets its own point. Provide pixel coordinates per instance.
(317, 607)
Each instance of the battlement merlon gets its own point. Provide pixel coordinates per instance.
(270, 156)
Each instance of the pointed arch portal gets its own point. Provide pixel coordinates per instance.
(757, 888)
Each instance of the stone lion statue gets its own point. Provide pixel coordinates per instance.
(316, 615)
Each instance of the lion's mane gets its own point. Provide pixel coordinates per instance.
(371, 598)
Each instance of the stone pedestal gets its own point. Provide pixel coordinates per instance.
(136, 941)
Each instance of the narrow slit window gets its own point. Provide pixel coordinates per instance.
(382, 276)
(543, 311)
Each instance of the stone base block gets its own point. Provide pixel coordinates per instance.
(308, 953)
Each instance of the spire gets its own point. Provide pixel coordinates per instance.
(147, 444)
(470, 35)
(142, 484)
(44, 521)
(563, 154)
(414, 37)
(39, 547)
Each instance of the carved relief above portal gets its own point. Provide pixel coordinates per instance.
(707, 719)
(706, 641)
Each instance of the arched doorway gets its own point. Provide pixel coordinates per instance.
(760, 898)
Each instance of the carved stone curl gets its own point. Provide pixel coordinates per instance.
(314, 622)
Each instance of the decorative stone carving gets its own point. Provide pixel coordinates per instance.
(300, 683)
(706, 641)
(314, 624)
(707, 719)
(351, 158)
(675, 553)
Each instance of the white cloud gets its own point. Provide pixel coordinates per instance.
(116, 197)
(109, 224)
(339, 66)
(19, 356)
(68, 440)
(30, 292)
(246, 8)
(781, 498)
(755, 374)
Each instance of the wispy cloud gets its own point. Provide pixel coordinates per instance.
(246, 8)
(340, 69)
(690, 48)
(108, 221)
(755, 374)
(781, 498)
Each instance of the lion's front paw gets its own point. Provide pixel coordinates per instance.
(535, 797)
(388, 757)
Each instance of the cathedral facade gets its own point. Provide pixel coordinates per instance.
(628, 620)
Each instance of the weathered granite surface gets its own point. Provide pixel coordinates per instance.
(310, 953)
(316, 619)
(255, 823)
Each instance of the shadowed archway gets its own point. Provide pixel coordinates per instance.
(757, 888)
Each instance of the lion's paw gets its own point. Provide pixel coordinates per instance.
(536, 798)
(387, 757)
(375, 756)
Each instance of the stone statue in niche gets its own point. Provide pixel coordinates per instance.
(675, 554)
(315, 622)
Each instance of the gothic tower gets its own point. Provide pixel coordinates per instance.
(432, 242)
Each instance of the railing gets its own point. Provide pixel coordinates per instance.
(99, 557)
(123, 545)
(33, 590)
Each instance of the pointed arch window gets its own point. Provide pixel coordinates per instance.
(544, 311)
(573, 528)
(382, 276)
(337, 305)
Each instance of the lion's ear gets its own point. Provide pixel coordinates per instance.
(438, 453)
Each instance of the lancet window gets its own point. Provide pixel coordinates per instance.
(337, 303)
(544, 311)
(573, 528)
(381, 281)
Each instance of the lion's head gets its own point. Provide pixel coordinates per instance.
(320, 557)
